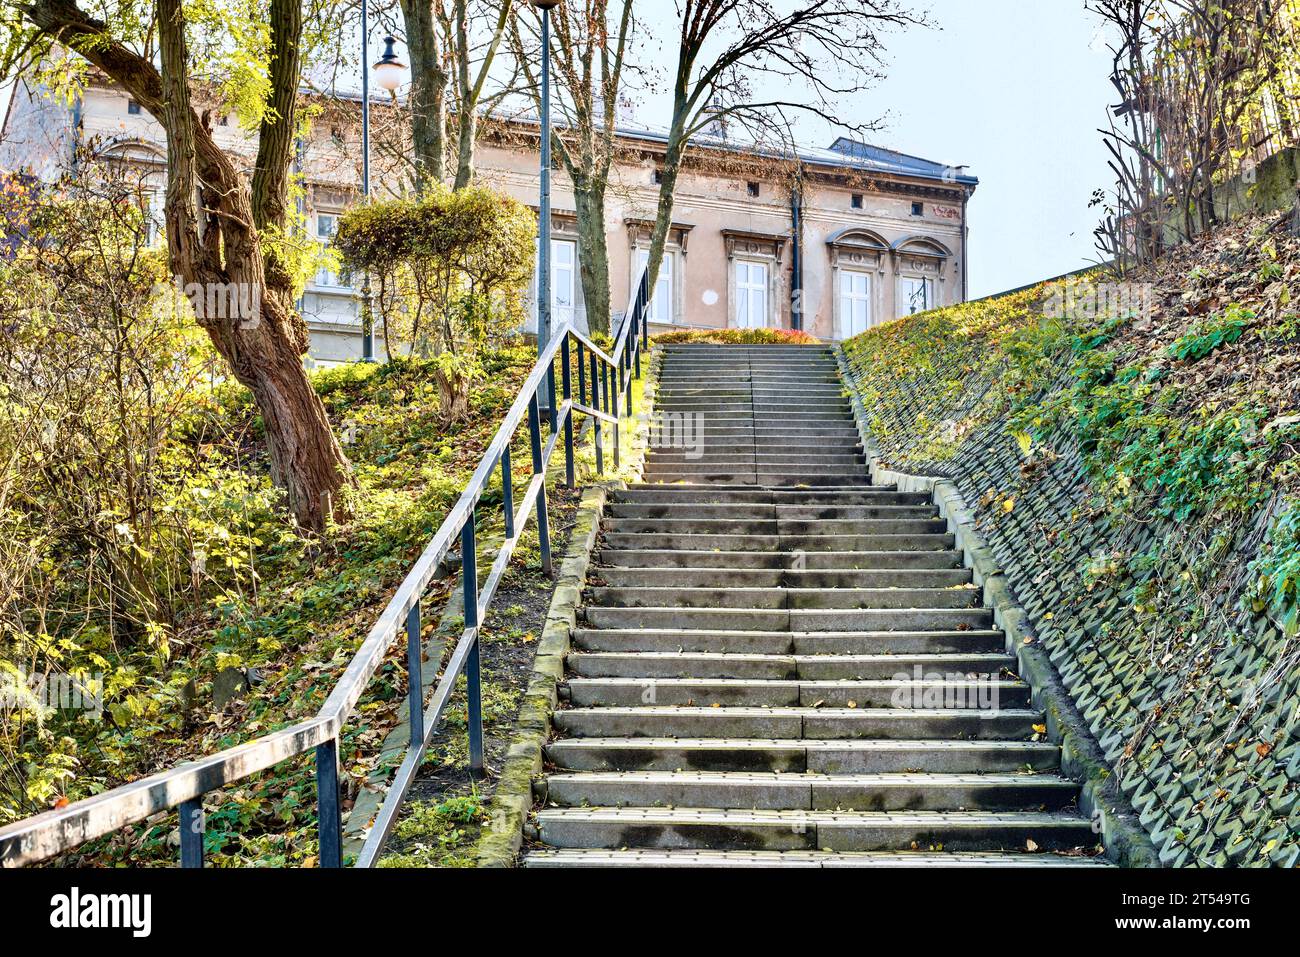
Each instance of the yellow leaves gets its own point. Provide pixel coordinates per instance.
(1040, 729)
(1026, 443)
(1009, 505)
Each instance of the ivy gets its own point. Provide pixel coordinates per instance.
(1215, 333)
(1276, 572)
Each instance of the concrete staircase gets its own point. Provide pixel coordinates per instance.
(780, 664)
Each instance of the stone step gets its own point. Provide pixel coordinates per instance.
(804, 528)
(828, 644)
(760, 479)
(798, 620)
(810, 792)
(767, 598)
(789, 722)
(632, 557)
(752, 458)
(987, 694)
(761, 577)
(731, 445)
(794, 756)
(870, 495)
(755, 511)
(812, 830)
(692, 859)
(777, 578)
(779, 666)
(782, 544)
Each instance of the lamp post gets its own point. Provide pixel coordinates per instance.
(389, 72)
(544, 206)
(367, 318)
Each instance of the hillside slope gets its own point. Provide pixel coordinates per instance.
(1136, 474)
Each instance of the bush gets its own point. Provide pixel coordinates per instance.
(738, 337)
(453, 268)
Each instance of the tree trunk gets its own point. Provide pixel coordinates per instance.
(593, 264)
(467, 132)
(428, 100)
(667, 196)
(217, 242)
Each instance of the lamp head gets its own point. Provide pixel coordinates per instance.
(389, 72)
(545, 4)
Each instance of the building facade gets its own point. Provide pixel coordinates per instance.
(869, 234)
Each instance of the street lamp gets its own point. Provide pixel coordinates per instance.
(389, 71)
(544, 207)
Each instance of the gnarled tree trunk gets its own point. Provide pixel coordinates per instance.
(215, 220)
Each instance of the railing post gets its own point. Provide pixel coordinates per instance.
(473, 675)
(582, 371)
(329, 816)
(507, 492)
(616, 375)
(553, 413)
(595, 422)
(645, 321)
(566, 375)
(539, 468)
(415, 675)
(192, 833)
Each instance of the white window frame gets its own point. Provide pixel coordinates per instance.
(663, 299)
(326, 278)
(905, 306)
(744, 307)
(852, 301)
(559, 314)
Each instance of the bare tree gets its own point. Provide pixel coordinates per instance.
(1193, 80)
(590, 61)
(828, 48)
(220, 226)
(453, 45)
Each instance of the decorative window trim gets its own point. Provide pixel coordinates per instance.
(921, 257)
(858, 250)
(639, 234)
(765, 248)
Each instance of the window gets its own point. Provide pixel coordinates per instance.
(915, 295)
(662, 302)
(754, 189)
(751, 294)
(155, 215)
(564, 290)
(133, 107)
(855, 303)
(326, 225)
(918, 209)
(856, 201)
(658, 177)
(564, 272)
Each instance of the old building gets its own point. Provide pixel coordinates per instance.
(873, 234)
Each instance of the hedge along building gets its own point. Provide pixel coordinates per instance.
(832, 241)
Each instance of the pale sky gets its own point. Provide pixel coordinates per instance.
(1014, 89)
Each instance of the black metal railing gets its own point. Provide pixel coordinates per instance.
(604, 395)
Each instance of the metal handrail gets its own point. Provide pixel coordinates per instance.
(602, 379)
